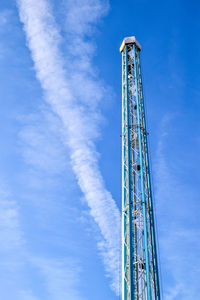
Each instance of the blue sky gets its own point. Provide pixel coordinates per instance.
(60, 181)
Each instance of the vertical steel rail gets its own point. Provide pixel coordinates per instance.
(123, 224)
(130, 200)
(124, 287)
(155, 262)
(142, 184)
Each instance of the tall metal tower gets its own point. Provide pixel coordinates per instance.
(140, 278)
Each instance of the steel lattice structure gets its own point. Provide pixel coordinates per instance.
(140, 278)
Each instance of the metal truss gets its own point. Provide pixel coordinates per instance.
(140, 279)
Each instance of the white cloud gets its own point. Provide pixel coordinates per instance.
(13, 243)
(6, 24)
(82, 14)
(173, 292)
(5, 16)
(61, 278)
(27, 295)
(40, 142)
(178, 234)
(11, 235)
(78, 113)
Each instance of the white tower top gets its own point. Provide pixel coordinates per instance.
(130, 40)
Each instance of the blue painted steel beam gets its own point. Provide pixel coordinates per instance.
(150, 192)
(130, 181)
(124, 287)
(142, 184)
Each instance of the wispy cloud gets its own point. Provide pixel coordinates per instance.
(10, 232)
(6, 20)
(173, 292)
(5, 17)
(27, 295)
(40, 143)
(13, 243)
(82, 15)
(77, 110)
(178, 231)
(60, 278)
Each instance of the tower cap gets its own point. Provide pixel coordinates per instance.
(130, 40)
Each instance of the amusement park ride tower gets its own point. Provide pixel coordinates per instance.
(140, 278)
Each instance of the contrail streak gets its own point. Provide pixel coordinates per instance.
(80, 125)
